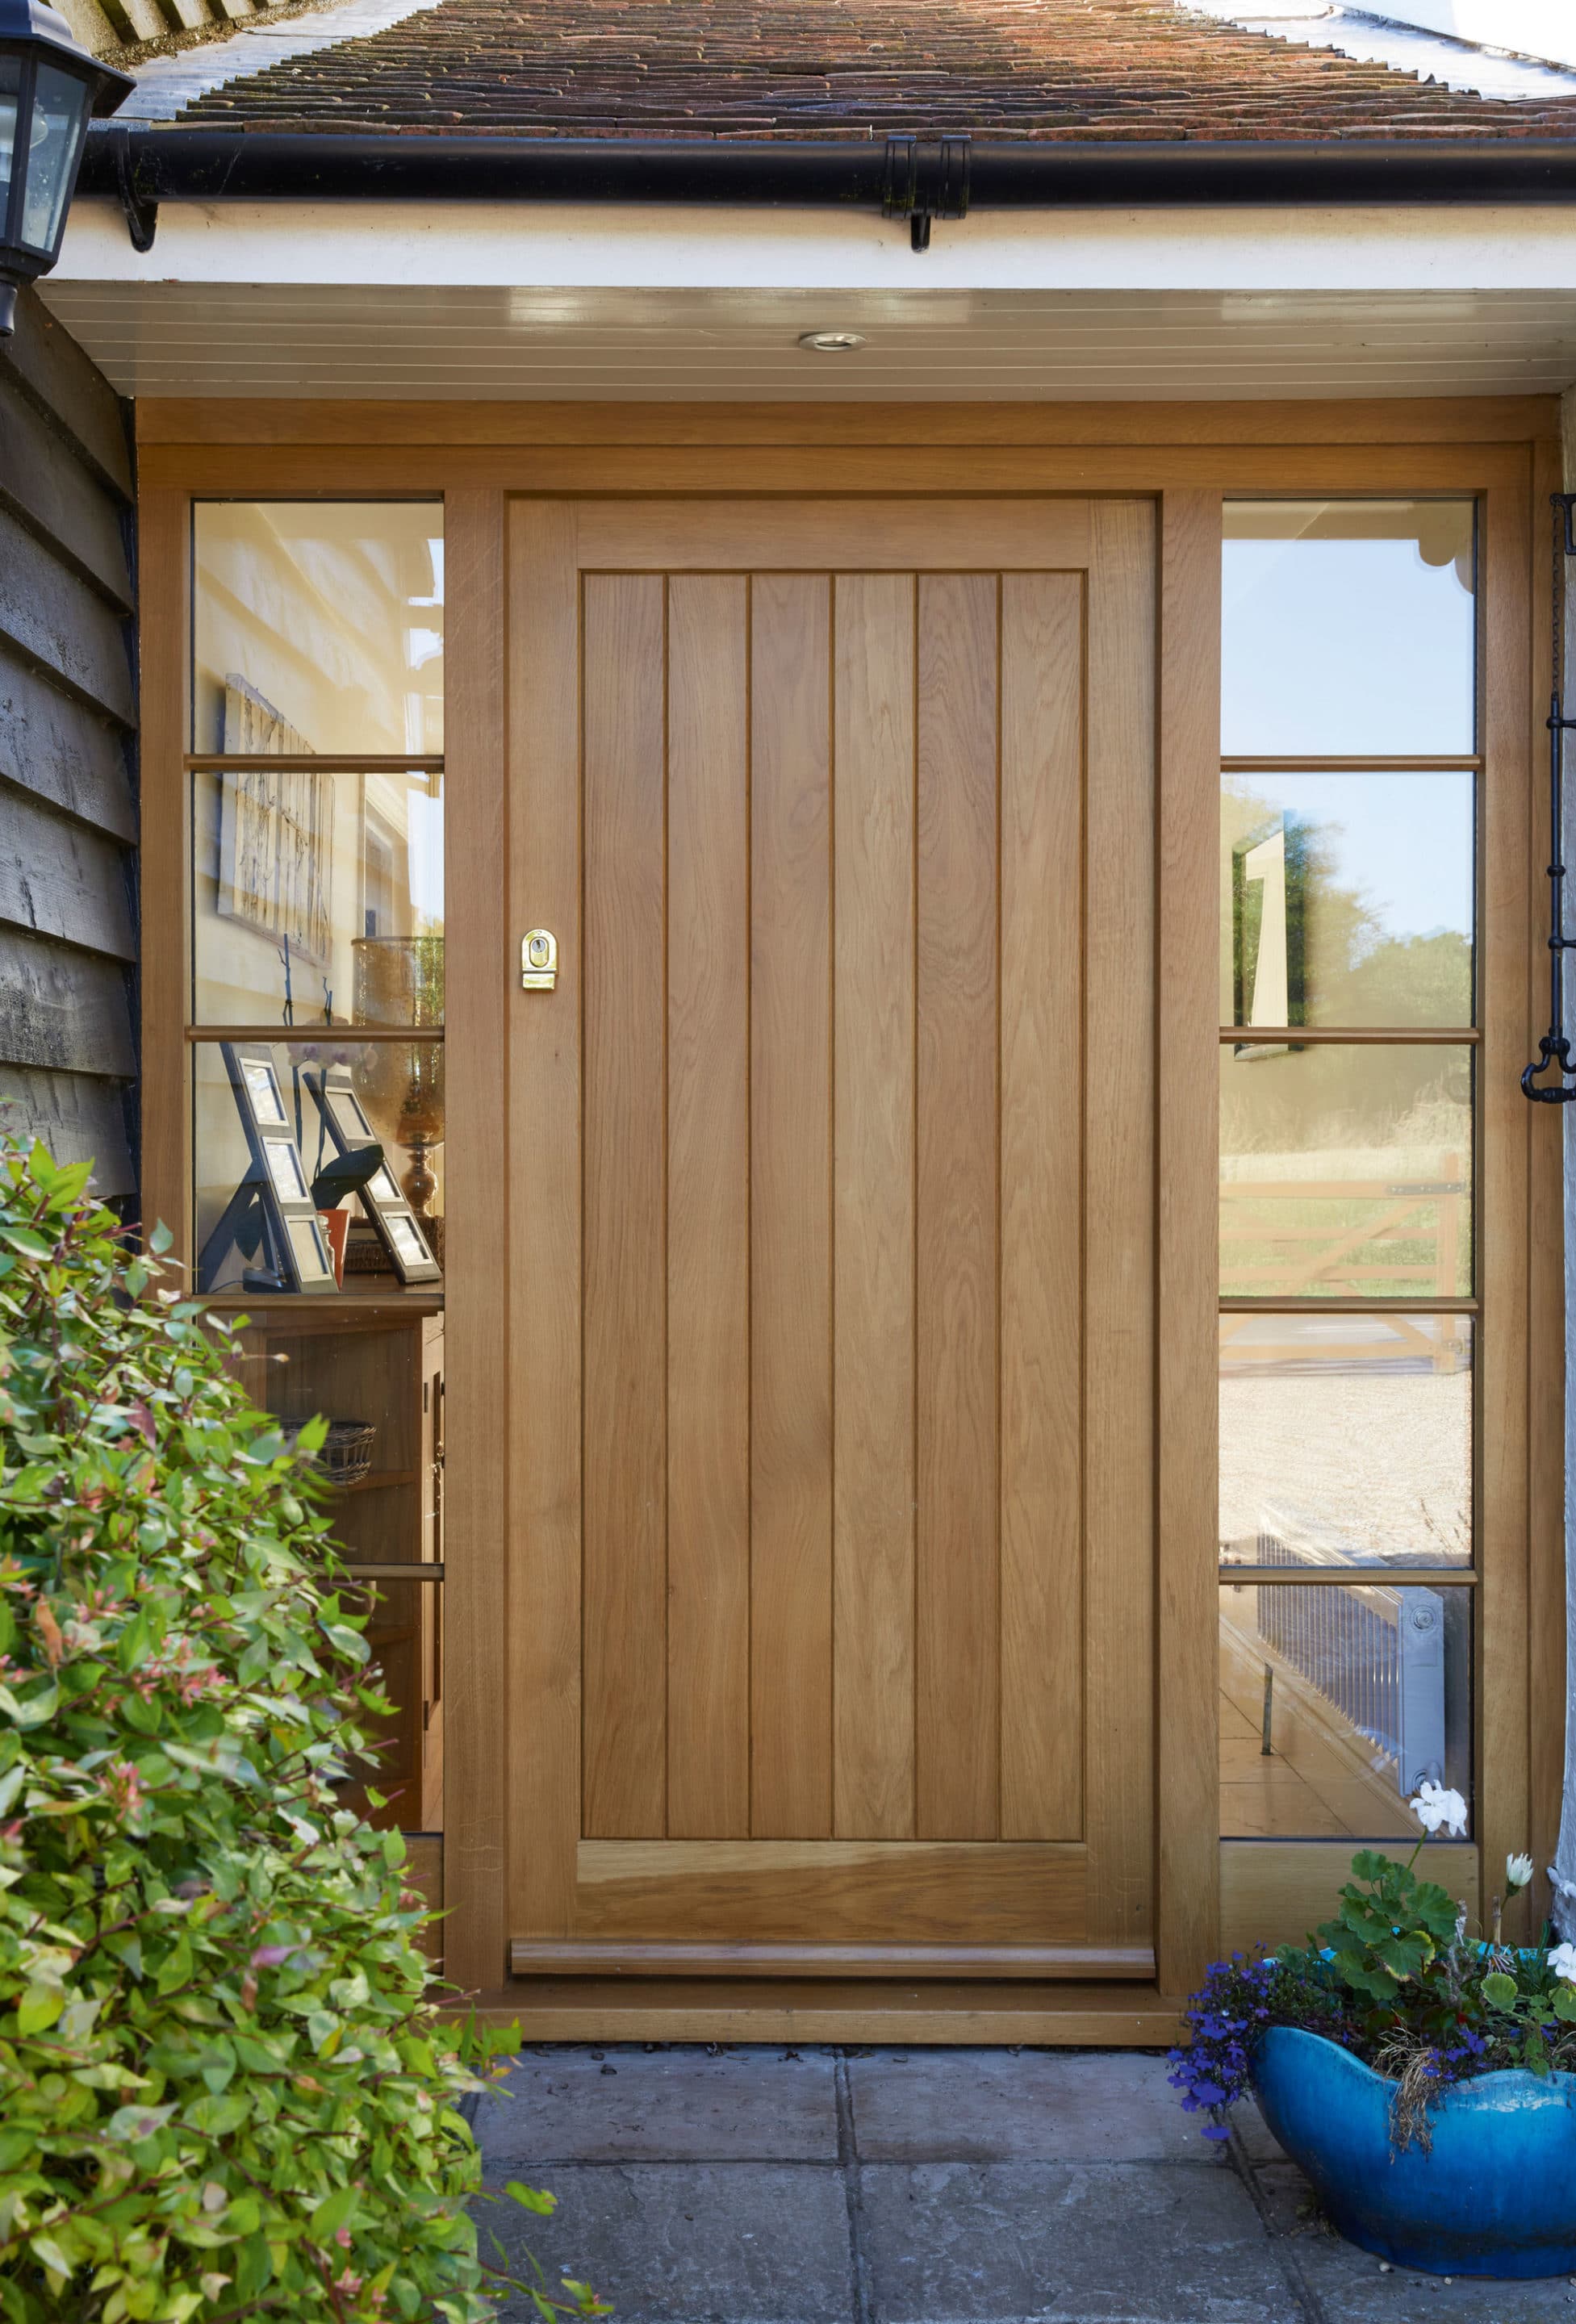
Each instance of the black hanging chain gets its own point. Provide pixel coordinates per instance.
(1554, 1048)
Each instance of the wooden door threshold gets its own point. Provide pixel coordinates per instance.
(953, 1963)
(1043, 2015)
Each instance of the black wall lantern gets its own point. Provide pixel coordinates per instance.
(49, 90)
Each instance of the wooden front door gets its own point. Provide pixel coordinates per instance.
(832, 1237)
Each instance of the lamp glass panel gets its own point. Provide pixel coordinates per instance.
(1336, 1701)
(1346, 1170)
(1348, 626)
(397, 1088)
(9, 87)
(317, 894)
(318, 627)
(60, 117)
(1346, 898)
(1346, 1440)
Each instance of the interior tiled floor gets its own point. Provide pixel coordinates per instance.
(769, 2186)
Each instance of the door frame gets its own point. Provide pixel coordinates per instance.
(478, 457)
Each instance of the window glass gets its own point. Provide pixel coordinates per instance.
(378, 1379)
(10, 82)
(1346, 1440)
(1348, 626)
(317, 897)
(387, 1094)
(1336, 1702)
(1346, 898)
(59, 100)
(1346, 1169)
(318, 627)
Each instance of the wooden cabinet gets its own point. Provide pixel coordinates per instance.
(383, 1367)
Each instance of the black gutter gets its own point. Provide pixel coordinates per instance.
(902, 175)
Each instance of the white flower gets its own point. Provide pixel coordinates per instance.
(1434, 1807)
(1517, 1872)
(1562, 1961)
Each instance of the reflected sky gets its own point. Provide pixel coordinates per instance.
(1347, 644)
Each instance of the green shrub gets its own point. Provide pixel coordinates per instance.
(222, 2092)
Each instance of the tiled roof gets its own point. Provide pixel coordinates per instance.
(743, 69)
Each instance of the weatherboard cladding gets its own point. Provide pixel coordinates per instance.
(68, 713)
(740, 68)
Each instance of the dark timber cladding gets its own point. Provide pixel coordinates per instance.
(67, 720)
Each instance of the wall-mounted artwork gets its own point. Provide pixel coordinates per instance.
(275, 837)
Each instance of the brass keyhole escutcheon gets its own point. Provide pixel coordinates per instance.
(539, 960)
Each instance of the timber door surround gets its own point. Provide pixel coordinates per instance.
(832, 1239)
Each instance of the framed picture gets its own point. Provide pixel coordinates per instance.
(270, 1221)
(382, 1198)
(276, 852)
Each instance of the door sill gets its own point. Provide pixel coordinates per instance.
(859, 2009)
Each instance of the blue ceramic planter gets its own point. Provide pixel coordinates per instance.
(1496, 2196)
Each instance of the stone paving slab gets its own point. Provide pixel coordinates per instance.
(1068, 2243)
(1041, 2105)
(696, 2243)
(1344, 2285)
(624, 2103)
(760, 2186)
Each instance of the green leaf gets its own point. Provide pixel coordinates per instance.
(39, 2008)
(335, 2211)
(47, 2249)
(1500, 1990)
(531, 2199)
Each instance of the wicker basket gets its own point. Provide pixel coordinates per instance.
(345, 1456)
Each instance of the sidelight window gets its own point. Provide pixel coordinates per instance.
(315, 1036)
(1348, 813)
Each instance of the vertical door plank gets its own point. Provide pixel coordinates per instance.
(874, 1097)
(1042, 1253)
(957, 1351)
(1121, 969)
(541, 1535)
(708, 1210)
(479, 1737)
(1188, 1261)
(625, 1627)
(790, 1771)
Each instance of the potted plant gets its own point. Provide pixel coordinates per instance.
(1424, 2083)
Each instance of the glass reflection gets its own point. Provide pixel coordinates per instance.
(1346, 898)
(298, 874)
(1346, 1169)
(382, 1222)
(1348, 626)
(1346, 1440)
(1336, 1702)
(318, 628)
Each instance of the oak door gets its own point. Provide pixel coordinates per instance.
(832, 1237)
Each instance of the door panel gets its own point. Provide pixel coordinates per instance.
(855, 1563)
(873, 1014)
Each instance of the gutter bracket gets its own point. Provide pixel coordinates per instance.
(923, 180)
(139, 208)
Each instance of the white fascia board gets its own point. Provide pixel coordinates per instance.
(1545, 29)
(604, 246)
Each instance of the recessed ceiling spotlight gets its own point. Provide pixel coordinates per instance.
(831, 343)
